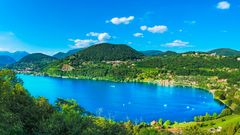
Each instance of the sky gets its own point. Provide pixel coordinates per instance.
(50, 26)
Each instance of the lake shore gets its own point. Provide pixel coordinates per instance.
(166, 83)
(194, 99)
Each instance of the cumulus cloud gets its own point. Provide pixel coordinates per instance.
(82, 43)
(155, 29)
(177, 43)
(158, 29)
(121, 20)
(138, 35)
(223, 5)
(102, 37)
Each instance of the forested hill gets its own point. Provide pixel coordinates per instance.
(34, 62)
(36, 57)
(107, 52)
(151, 52)
(60, 55)
(226, 52)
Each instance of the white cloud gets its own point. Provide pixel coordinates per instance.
(94, 34)
(121, 20)
(138, 35)
(177, 43)
(102, 37)
(223, 5)
(158, 29)
(79, 43)
(155, 29)
(83, 43)
(143, 28)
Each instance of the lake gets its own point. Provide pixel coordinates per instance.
(126, 101)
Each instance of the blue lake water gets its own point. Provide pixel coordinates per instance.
(126, 101)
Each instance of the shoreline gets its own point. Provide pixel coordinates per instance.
(154, 82)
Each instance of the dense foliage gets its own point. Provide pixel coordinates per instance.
(33, 62)
(60, 55)
(152, 52)
(226, 52)
(106, 52)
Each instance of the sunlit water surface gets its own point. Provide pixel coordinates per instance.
(126, 101)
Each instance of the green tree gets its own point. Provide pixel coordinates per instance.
(167, 124)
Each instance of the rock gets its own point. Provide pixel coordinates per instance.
(67, 67)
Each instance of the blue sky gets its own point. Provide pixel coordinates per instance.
(50, 26)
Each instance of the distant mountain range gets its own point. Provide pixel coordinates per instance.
(62, 55)
(152, 52)
(221, 52)
(15, 55)
(226, 52)
(6, 60)
(99, 52)
(108, 52)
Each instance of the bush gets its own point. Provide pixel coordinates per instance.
(225, 112)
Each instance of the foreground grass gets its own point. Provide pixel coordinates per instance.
(222, 122)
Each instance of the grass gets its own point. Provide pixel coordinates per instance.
(222, 122)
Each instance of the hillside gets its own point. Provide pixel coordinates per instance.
(16, 55)
(33, 62)
(6, 60)
(106, 52)
(225, 52)
(151, 52)
(62, 55)
(168, 53)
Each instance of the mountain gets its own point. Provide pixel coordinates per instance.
(6, 60)
(16, 55)
(168, 53)
(71, 52)
(35, 58)
(151, 52)
(33, 62)
(62, 55)
(106, 52)
(194, 52)
(225, 52)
